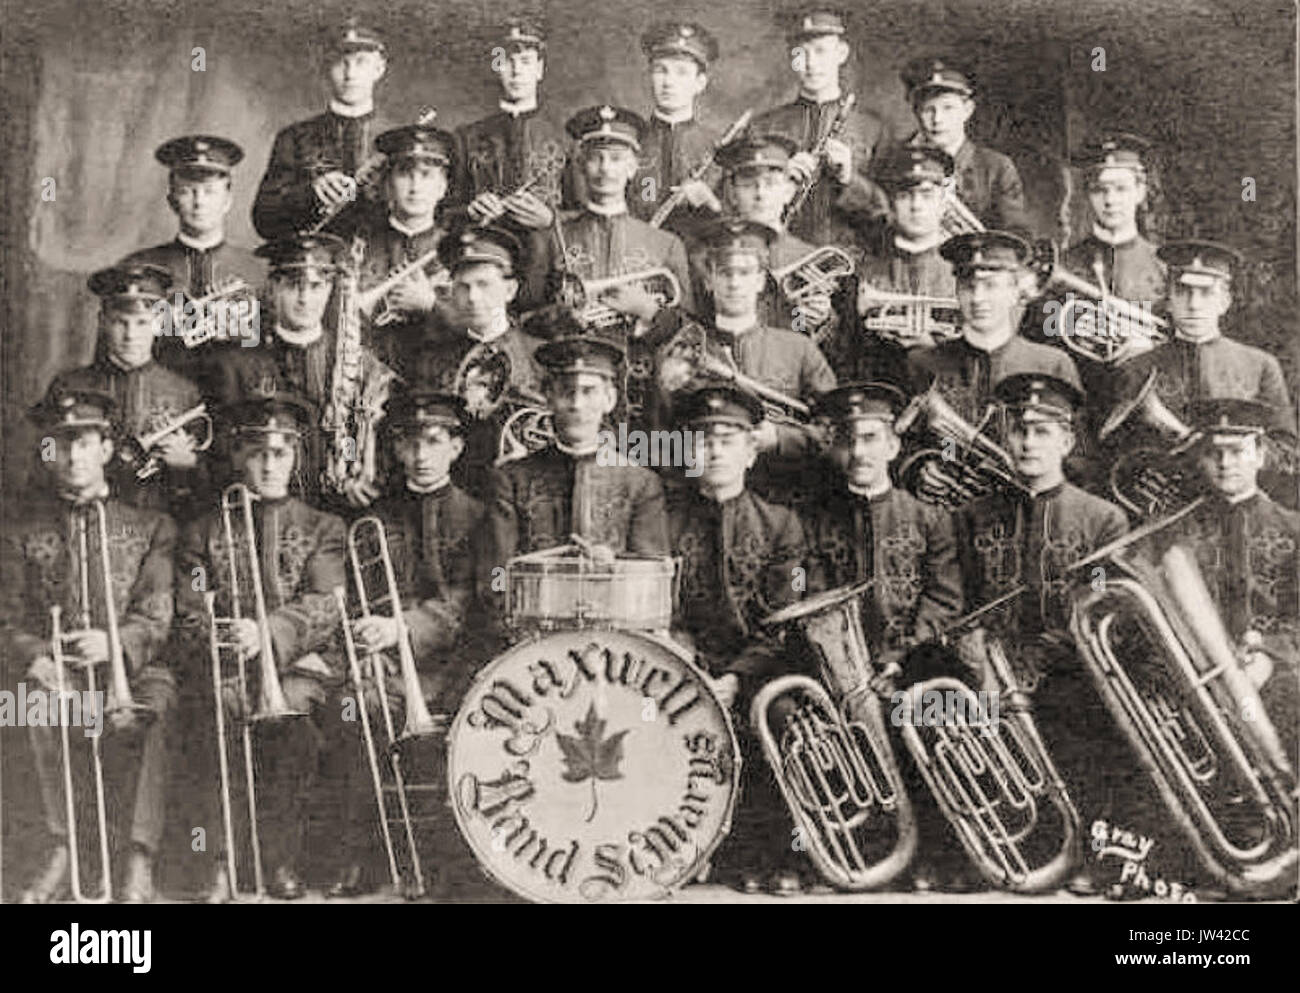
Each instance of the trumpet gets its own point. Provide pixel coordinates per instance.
(419, 722)
(1148, 482)
(831, 757)
(214, 325)
(272, 705)
(970, 462)
(1165, 666)
(909, 320)
(370, 299)
(141, 450)
(997, 785)
(583, 295)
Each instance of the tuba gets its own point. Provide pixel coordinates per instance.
(1165, 666)
(971, 462)
(1149, 482)
(995, 783)
(830, 752)
(909, 320)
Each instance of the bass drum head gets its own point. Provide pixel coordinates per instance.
(592, 766)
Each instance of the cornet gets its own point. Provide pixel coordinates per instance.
(909, 320)
(205, 328)
(142, 452)
(584, 294)
(831, 757)
(377, 296)
(818, 272)
(272, 705)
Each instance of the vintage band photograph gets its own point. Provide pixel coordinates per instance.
(584, 452)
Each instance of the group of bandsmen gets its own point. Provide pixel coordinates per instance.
(503, 219)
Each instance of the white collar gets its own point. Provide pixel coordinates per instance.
(735, 325)
(600, 210)
(515, 109)
(905, 244)
(1242, 497)
(867, 492)
(343, 110)
(670, 119)
(1127, 234)
(1038, 489)
(577, 453)
(1204, 339)
(824, 98)
(722, 496)
(410, 232)
(99, 493)
(983, 344)
(118, 364)
(200, 244)
(299, 339)
(433, 488)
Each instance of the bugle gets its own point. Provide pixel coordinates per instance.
(830, 751)
(908, 320)
(142, 450)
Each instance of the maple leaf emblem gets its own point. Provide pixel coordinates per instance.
(591, 755)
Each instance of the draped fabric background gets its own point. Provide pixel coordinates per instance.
(91, 89)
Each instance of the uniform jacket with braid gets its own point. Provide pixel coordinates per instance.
(301, 552)
(906, 546)
(39, 568)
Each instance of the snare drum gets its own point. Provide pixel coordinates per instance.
(592, 766)
(563, 588)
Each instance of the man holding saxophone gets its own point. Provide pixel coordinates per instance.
(108, 566)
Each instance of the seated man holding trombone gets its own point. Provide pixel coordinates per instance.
(256, 586)
(87, 587)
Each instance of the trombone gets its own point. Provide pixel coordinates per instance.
(272, 705)
(369, 531)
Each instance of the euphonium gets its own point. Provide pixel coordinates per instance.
(1163, 662)
(830, 752)
(1150, 482)
(994, 781)
(908, 320)
(971, 462)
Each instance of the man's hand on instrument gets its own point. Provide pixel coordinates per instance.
(335, 188)
(839, 157)
(1255, 662)
(696, 192)
(243, 632)
(631, 299)
(486, 207)
(88, 647)
(415, 295)
(725, 688)
(529, 210)
(765, 436)
(936, 483)
(375, 633)
(884, 682)
(815, 308)
(178, 450)
(43, 671)
(803, 166)
(359, 493)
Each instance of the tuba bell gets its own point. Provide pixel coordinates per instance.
(831, 756)
(1165, 666)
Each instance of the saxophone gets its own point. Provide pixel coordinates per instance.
(359, 388)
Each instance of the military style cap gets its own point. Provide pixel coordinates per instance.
(1198, 263)
(418, 141)
(136, 281)
(607, 124)
(352, 37)
(580, 353)
(312, 251)
(727, 236)
(1224, 415)
(756, 151)
(481, 244)
(271, 412)
(522, 32)
(676, 38)
(415, 410)
(928, 75)
(199, 154)
(815, 21)
(905, 166)
(984, 250)
(861, 401)
(718, 405)
(1040, 393)
(1117, 150)
(67, 411)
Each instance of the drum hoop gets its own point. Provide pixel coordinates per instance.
(684, 656)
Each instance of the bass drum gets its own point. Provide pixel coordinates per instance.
(592, 766)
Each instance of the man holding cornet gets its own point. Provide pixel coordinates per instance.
(108, 567)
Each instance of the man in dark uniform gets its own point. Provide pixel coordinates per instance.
(992, 288)
(676, 140)
(1200, 363)
(538, 501)
(301, 561)
(314, 163)
(44, 563)
(906, 259)
(431, 526)
(842, 194)
(943, 99)
(479, 350)
(148, 396)
(742, 558)
(408, 227)
(199, 258)
(1008, 538)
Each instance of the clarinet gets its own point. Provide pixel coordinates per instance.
(819, 152)
(674, 199)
